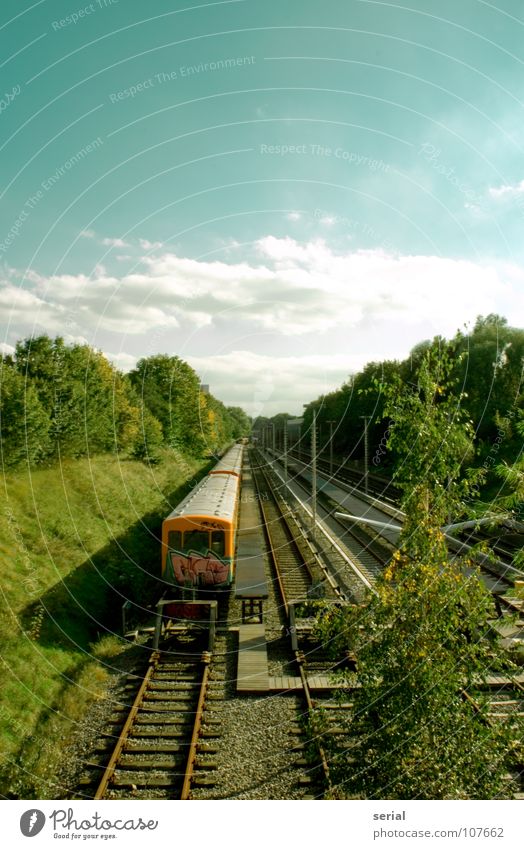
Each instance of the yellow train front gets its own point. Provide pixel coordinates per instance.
(199, 536)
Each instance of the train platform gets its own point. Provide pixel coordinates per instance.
(250, 580)
(251, 589)
(252, 669)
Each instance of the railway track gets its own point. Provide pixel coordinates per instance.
(504, 543)
(366, 551)
(504, 698)
(294, 561)
(329, 715)
(377, 485)
(295, 568)
(165, 743)
(372, 554)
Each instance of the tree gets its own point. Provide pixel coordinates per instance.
(240, 423)
(82, 393)
(513, 476)
(24, 423)
(149, 438)
(425, 637)
(170, 389)
(490, 371)
(431, 437)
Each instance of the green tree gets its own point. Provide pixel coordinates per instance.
(431, 438)
(425, 637)
(240, 423)
(512, 474)
(81, 391)
(148, 439)
(24, 423)
(490, 372)
(170, 389)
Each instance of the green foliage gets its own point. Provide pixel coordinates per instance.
(360, 396)
(420, 643)
(491, 371)
(239, 421)
(170, 389)
(82, 393)
(24, 423)
(486, 366)
(59, 401)
(431, 437)
(424, 639)
(149, 439)
(512, 475)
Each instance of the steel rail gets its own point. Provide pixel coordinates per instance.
(191, 757)
(331, 540)
(310, 706)
(122, 739)
(279, 575)
(457, 546)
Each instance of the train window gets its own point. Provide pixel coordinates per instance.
(218, 543)
(174, 540)
(196, 541)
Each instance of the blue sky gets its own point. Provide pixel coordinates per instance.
(277, 192)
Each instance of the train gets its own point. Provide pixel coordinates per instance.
(199, 535)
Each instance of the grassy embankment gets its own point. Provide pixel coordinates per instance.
(76, 540)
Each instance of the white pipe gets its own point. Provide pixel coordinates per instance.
(384, 526)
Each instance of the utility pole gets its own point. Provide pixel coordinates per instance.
(314, 474)
(331, 423)
(366, 453)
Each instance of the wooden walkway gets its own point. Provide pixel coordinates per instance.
(501, 680)
(250, 583)
(252, 670)
(283, 683)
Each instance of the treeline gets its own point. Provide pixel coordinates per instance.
(488, 370)
(59, 400)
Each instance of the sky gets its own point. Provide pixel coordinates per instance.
(277, 192)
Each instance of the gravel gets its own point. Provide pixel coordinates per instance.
(256, 750)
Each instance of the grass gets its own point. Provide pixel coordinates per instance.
(76, 540)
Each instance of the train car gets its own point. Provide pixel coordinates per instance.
(231, 462)
(199, 536)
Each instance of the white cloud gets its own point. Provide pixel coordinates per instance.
(87, 234)
(506, 191)
(74, 340)
(259, 383)
(6, 349)
(146, 245)
(293, 216)
(115, 243)
(123, 361)
(26, 309)
(291, 289)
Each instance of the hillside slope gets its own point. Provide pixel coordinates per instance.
(76, 541)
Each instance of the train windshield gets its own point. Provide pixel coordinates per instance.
(196, 541)
(218, 544)
(174, 540)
